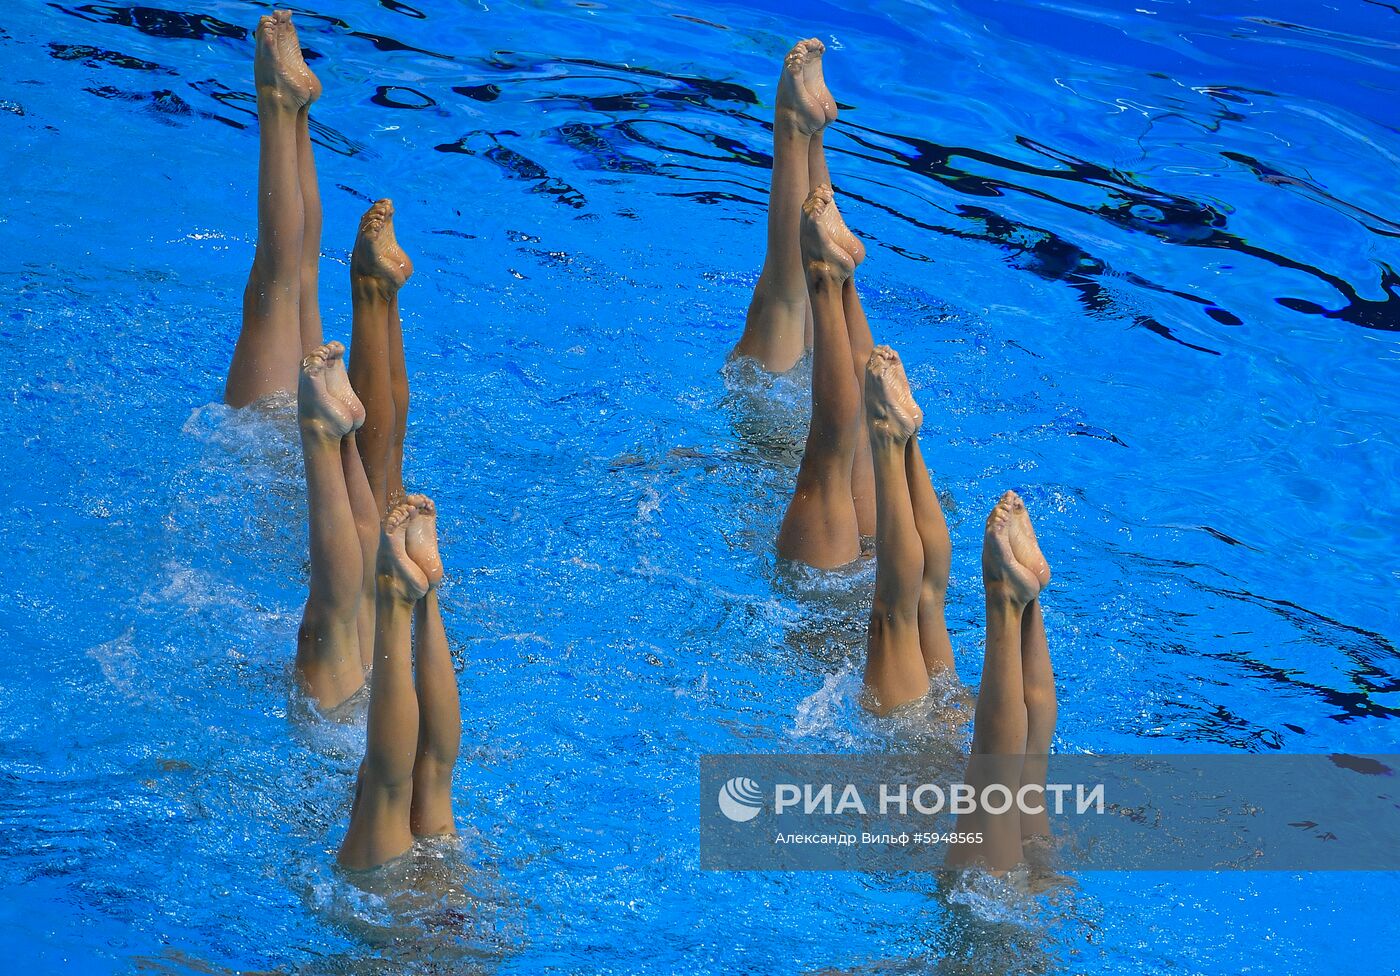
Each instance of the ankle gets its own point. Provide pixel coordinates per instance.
(786, 126)
(935, 593)
(885, 441)
(1002, 597)
(372, 286)
(824, 274)
(272, 98)
(390, 594)
(319, 431)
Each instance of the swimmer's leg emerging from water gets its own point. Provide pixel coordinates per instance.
(378, 269)
(398, 384)
(379, 820)
(776, 325)
(1037, 675)
(814, 81)
(309, 304)
(820, 526)
(1000, 731)
(895, 673)
(270, 346)
(1038, 681)
(328, 642)
(366, 514)
(439, 709)
(934, 642)
(862, 345)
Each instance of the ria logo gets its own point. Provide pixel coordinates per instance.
(740, 799)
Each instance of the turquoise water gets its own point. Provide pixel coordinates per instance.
(1141, 261)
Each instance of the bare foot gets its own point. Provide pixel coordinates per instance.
(1023, 540)
(289, 47)
(846, 240)
(398, 576)
(798, 105)
(1002, 574)
(338, 384)
(422, 543)
(318, 408)
(815, 82)
(278, 75)
(889, 403)
(377, 253)
(821, 253)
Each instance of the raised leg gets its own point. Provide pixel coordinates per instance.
(1037, 675)
(310, 299)
(380, 817)
(938, 553)
(775, 328)
(328, 658)
(820, 527)
(269, 349)
(310, 304)
(439, 710)
(366, 513)
(814, 82)
(398, 384)
(862, 344)
(1000, 721)
(378, 269)
(369, 374)
(894, 667)
(1042, 709)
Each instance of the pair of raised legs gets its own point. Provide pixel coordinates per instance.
(908, 635)
(404, 788)
(336, 639)
(833, 503)
(281, 313)
(778, 328)
(378, 269)
(1016, 704)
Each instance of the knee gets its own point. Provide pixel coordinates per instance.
(886, 615)
(879, 622)
(335, 596)
(276, 269)
(315, 638)
(933, 595)
(434, 767)
(1041, 704)
(311, 629)
(323, 620)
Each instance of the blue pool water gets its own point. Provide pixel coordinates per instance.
(1141, 257)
